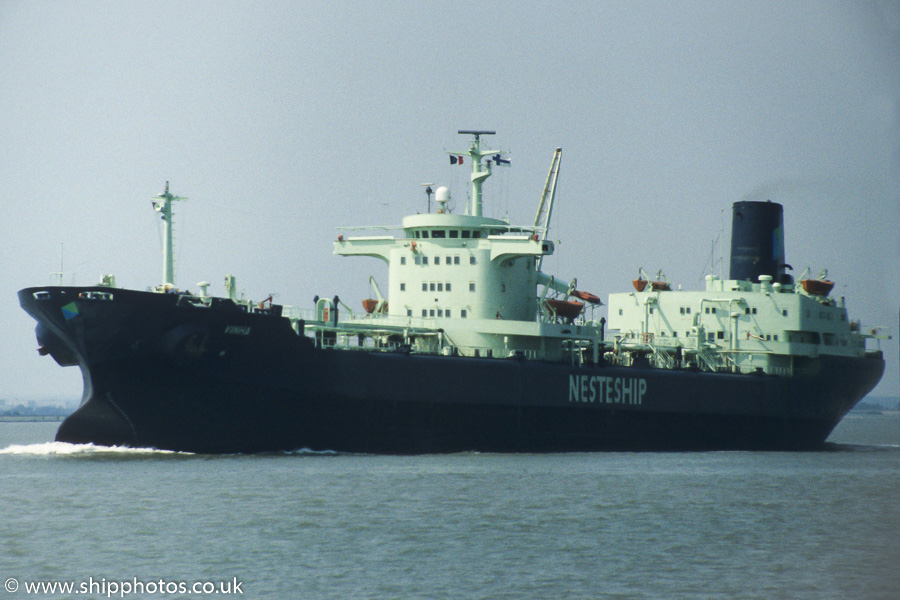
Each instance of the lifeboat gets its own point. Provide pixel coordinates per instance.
(566, 309)
(817, 287)
(587, 296)
(656, 286)
(370, 304)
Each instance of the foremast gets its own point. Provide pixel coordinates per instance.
(162, 203)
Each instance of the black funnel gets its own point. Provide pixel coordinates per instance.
(757, 241)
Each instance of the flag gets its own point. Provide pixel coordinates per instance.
(456, 160)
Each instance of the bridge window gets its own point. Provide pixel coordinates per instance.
(454, 233)
(425, 234)
(438, 233)
(466, 234)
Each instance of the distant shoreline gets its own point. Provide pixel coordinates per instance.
(31, 418)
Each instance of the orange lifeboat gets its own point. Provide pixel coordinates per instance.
(369, 304)
(657, 286)
(586, 296)
(817, 287)
(565, 308)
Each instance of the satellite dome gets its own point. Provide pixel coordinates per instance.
(442, 194)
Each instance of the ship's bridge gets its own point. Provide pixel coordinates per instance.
(456, 266)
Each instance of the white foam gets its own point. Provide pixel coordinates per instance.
(66, 449)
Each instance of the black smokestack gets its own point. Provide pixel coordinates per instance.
(757, 241)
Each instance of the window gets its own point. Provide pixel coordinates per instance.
(462, 313)
(466, 234)
(447, 286)
(424, 312)
(447, 313)
(418, 260)
(784, 312)
(425, 234)
(440, 287)
(437, 260)
(454, 233)
(424, 260)
(753, 310)
(402, 287)
(720, 335)
(431, 286)
(471, 260)
(448, 261)
(424, 287)
(438, 233)
(440, 312)
(402, 260)
(455, 260)
(431, 312)
(471, 286)
(417, 234)
(408, 312)
(476, 234)
(620, 312)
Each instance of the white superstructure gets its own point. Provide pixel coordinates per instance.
(471, 285)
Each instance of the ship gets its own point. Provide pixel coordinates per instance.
(473, 348)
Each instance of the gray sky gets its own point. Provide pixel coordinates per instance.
(282, 121)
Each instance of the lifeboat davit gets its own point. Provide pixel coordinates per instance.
(817, 287)
(567, 309)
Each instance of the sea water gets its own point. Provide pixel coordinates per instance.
(150, 524)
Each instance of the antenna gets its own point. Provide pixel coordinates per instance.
(428, 192)
(162, 203)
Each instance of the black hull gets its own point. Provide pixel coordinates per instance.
(165, 375)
